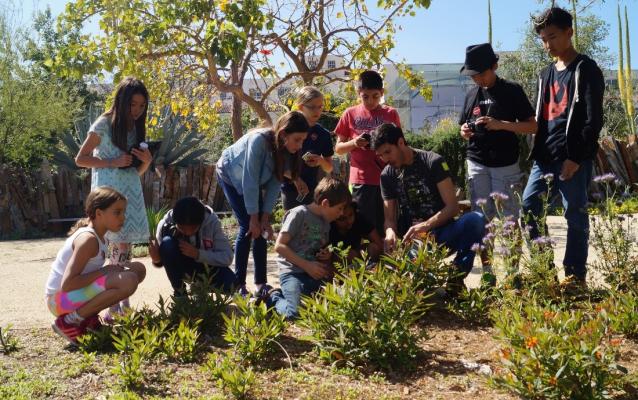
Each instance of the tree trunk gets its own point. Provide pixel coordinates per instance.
(235, 118)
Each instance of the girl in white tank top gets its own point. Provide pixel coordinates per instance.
(79, 284)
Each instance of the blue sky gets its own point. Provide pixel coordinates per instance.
(441, 33)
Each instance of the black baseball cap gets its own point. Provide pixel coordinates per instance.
(478, 58)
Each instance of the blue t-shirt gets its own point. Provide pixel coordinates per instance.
(319, 141)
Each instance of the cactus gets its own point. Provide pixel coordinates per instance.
(631, 111)
(489, 21)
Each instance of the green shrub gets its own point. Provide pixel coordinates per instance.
(180, 342)
(367, 318)
(622, 311)
(613, 239)
(474, 305)
(253, 331)
(100, 340)
(8, 341)
(202, 302)
(551, 353)
(445, 139)
(231, 375)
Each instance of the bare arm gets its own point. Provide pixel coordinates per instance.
(521, 127)
(85, 247)
(85, 157)
(390, 224)
(449, 211)
(315, 269)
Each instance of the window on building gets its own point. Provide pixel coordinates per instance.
(283, 91)
(332, 64)
(255, 93)
(224, 96)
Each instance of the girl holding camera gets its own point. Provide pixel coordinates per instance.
(112, 150)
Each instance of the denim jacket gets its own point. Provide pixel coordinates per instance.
(249, 167)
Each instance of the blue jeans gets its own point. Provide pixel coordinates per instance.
(242, 243)
(574, 197)
(178, 267)
(459, 236)
(293, 286)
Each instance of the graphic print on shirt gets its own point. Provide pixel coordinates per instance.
(415, 199)
(557, 103)
(367, 125)
(312, 240)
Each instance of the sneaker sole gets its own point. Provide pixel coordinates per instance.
(57, 330)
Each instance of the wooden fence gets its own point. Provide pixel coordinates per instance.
(29, 201)
(32, 202)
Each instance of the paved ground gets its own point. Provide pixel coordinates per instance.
(25, 264)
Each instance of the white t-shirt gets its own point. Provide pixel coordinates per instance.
(54, 283)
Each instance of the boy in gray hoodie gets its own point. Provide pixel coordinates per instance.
(189, 240)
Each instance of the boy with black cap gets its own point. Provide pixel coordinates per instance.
(495, 110)
(570, 116)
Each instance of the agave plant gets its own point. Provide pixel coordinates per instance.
(154, 217)
(71, 141)
(181, 144)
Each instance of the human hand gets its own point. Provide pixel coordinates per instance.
(317, 270)
(188, 250)
(361, 142)
(324, 255)
(390, 240)
(416, 231)
(153, 250)
(490, 123)
(568, 170)
(466, 133)
(144, 155)
(312, 160)
(302, 187)
(266, 229)
(254, 227)
(122, 161)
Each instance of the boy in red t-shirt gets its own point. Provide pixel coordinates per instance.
(353, 136)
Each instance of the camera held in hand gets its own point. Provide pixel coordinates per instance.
(474, 127)
(368, 137)
(152, 146)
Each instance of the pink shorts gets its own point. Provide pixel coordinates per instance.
(62, 303)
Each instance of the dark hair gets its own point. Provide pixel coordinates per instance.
(100, 198)
(553, 16)
(189, 211)
(333, 190)
(290, 122)
(120, 110)
(369, 80)
(386, 133)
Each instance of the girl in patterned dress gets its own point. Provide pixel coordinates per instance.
(111, 151)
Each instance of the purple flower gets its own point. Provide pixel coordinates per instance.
(476, 247)
(543, 241)
(503, 251)
(489, 226)
(549, 178)
(498, 196)
(606, 178)
(509, 225)
(597, 196)
(481, 202)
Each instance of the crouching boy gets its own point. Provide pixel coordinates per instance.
(304, 262)
(190, 240)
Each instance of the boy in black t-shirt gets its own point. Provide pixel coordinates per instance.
(495, 110)
(570, 117)
(350, 229)
(419, 198)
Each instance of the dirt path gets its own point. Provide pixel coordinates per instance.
(25, 267)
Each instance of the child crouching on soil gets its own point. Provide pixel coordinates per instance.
(304, 263)
(79, 284)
